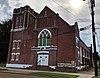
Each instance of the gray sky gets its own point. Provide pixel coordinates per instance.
(67, 9)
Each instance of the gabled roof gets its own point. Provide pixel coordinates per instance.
(50, 12)
(47, 10)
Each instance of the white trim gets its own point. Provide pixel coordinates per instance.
(19, 29)
(19, 40)
(77, 42)
(46, 30)
(17, 54)
(43, 36)
(14, 44)
(35, 23)
(43, 59)
(18, 65)
(12, 59)
(24, 12)
(44, 48)
(53, 67)
(18, 44)
(27, 20)
(17, 59)
(81, 67)
(12, 54)
(14, 40)
(43, 52)
(18, 48)
(13, 48)
(19, 26)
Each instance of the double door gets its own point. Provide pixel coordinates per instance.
(43, 59)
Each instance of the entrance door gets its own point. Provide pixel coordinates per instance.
(43, 59)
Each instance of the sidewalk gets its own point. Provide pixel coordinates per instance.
(27, 72)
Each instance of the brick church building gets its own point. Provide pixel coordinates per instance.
(45, 41)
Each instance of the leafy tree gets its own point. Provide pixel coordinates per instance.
(5, 27)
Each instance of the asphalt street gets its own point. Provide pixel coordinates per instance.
(24, 73)
(10, 75)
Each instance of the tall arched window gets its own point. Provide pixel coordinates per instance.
(44, 38)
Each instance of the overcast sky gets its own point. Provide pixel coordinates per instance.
(67, 9)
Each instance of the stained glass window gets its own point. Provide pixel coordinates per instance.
(44, 38)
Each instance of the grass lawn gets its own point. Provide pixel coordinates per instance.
(53, 75)
(2, 64)
(98, 74)
(3, 69)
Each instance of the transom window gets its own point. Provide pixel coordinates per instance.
(44, 38)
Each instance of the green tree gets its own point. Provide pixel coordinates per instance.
(5, 27)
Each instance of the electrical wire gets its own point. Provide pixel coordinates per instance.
(69, 11)
(86, 27)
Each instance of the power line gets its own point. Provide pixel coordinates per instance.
(87, 27)
(68, 11)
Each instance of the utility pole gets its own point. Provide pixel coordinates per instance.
(92, 2)
(93, 33)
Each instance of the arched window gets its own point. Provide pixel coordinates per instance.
(44, 38)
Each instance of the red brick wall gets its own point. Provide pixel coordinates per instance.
(63, 36)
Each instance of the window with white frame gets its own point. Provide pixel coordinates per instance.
(16, 44)
(17, 56)
(44, 38)
(78, 56)
(19, 21)
(12, 56)
(77, 42)
(81, 55)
